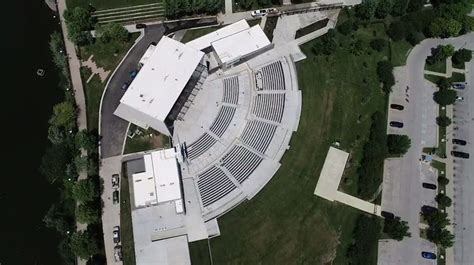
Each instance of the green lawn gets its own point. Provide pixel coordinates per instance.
(441, 151)
(93, 92)
(433, 78)
(126, 221)
(399, 52)
(439, 67)
(458, 77)
(106, 4)
(107, 55)
(285, 223)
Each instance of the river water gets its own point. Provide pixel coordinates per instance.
(26, 104)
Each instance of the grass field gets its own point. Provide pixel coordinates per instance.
(399, 52)
(106, 4)
(93, 92)
(439, 67)
(126, 222)
(458, 77)
(285, 223)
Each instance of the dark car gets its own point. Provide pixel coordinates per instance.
(140, 26)
(396, 124)
(428, 255)
(396, 106)
(428, 209)
(460, 86)
(460, 154)
(118, 253)
(429, 186)
(116, 234)
(387, 215)
(133, 74)
(459, 142)
(115, 196)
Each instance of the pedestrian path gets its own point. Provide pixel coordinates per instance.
(103, 74)
(449, 70)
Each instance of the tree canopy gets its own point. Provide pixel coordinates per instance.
(378, 44)
(64, 115)
(440, 53)
(84, 245)
(86, 140)
(398, 144)
(54, 162)
(87, 213)
(79, 22)
(366, 9)
(385, 74)
(397, 30)
(443, 121)
(443, 200)
(445, 97)
(384, 7)
(396, 228)
(111, 32)
(84, 190)
(462, 56)
(325, 45)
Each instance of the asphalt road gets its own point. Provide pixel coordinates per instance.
(113, 128)
(464, 173)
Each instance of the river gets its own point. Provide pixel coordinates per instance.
(27, 102)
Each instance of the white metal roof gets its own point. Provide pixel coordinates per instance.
(206, 40)
(160, 181)
(161, 80)
(240, 44)
(147, 54)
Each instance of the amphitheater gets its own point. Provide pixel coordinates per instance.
(230, 102)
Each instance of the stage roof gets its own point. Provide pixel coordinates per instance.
(207, 40)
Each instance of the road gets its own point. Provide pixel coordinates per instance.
(463, 173)
(403, 194)
(112, 128)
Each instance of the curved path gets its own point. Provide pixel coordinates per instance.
(403, 195)
(112, 128)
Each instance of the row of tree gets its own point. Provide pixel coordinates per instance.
(178, 8)
(437, 232)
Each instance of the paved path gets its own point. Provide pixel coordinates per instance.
(76, 82)
(228, 7)
(90, 63)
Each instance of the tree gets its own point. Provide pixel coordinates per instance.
(57, 219)
(384, 7)
(443, 180)
(87, 213)
(443, 121)
(86, 140)
(85, 191)
(440, 53)
(366, 9)
(54, 162)
(80, 163)
(325, 45)
(396, 228)
(55, 135)
(461, 56)
(385, 74)
(437, 219)
(64, 115)
(443, 200)
(440, 237)
(398, 144)
(444, 83)
(346, 27)
(83, 245)
(415, 37)
(357, 47)
(378, 44)
(399, 7)
(416, 5)
(397, 30)
(445, 97)
(78, 22)
(445, 27)
(111, 32)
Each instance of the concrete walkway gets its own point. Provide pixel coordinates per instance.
(228, 7)
(95, 69)
(449, 70)
(76, 82)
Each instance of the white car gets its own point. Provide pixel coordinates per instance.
(459, 99)
(259, 13)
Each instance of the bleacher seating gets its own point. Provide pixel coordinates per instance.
(222, 121)
(231, 90)
(269, 106)
(241, 162)
(200, 146)
(258, 135)
(272, 76)
(214, 184)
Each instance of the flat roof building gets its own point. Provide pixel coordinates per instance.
(154, 91)
(206, 41)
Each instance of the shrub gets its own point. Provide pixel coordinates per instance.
(462, 56)
(346, 27)
(384, 7)
(325, 45)
(397, 31)
(366, 234)
(443, 180)
(443, 200)
(398, 144)
(385, 74)
(366, 9)
(444, 83)
(443, 121)
(445, 27)
(399, 7)
(396, 228)
(111, 32)
(357, 47)
(378, 44)
(445, 97)
(440, 53)
(415, 37)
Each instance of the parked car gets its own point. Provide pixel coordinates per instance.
(272, 10)
(428, 209)
(396, 124)
(116, 234)
(118, 253)
(115, 180)
(133, 74)
(428, 186)
(459, 142)
(459, 86)
(259, 13)
(428, 255)
(460, 154)
(387, 215)
(125, 86)
(140, 26)
(396, 106)
(115, 196)
(459, 98)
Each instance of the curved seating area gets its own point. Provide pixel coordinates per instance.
(214, 184)
(231, 90)
(269, 106)
(200, 146)
(241, 162)
(272, 76)
(222, 121)
(258, 135)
